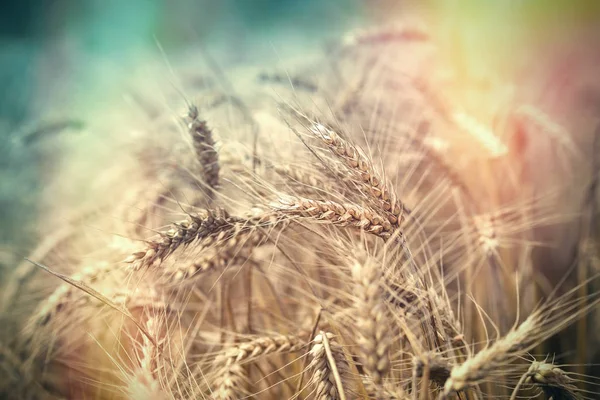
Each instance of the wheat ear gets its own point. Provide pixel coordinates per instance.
(262, 346)
(482, 364)
(198, 226)
(232, 251)
(374, 335)
(553, 381)
(204, 146)
(232, 375)
(368, 179)
(329, 367)
(229, 383)
(433, 365)
(538, 326)
(336, 213)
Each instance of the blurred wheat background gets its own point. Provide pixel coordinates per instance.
(77, 55)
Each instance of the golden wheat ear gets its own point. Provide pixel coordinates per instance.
(206, 153)
(329, 368)
(552, 380)
(374, 335)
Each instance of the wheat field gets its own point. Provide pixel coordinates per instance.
(355, 223)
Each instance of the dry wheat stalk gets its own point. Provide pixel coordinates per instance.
(389, 34)
(481, 133)
(373, 185)
(204, 146)
(374, 334)
(542, 121)
(24, 270)
(62, 297)
(33, 340)
(336, 213)
(328, 371)
(297, 83)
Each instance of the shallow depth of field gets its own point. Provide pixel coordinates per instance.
(286, 200)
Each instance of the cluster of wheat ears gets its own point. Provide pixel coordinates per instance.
(340, 232)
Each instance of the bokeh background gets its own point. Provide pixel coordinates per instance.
(62, 59)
